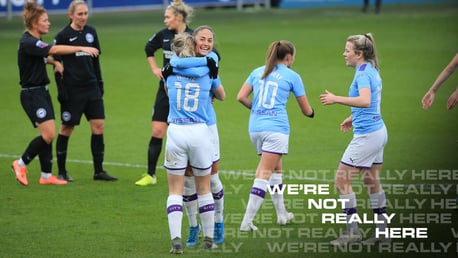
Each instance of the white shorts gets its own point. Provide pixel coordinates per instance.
(365, 150)
(215, 142)
(188, 144)
(272, 142)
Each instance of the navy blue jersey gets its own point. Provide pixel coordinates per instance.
(162, 39)
(80, 69)
(32, 54)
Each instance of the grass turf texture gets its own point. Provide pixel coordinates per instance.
(98, 219)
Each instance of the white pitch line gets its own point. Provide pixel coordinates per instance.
(115, 164)
(242, 173)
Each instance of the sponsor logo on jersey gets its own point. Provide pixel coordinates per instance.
(89, 37)
(82, 54)
(72, 39)
(41, 44)
(168, 54)
(41, 113)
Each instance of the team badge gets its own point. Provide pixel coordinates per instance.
(41, 44)
(89, 37)
(41, 113)
(66, 116)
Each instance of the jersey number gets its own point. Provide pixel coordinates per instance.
(267, 93)
(189, 100)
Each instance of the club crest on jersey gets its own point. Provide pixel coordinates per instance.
(41, 113)
(66, 116)
(41, 44)
(89, 37)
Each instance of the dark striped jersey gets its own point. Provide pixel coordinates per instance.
(162, 39)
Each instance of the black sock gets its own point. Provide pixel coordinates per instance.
(35, 147)
(45, 156)
(154, 150)
(61, 152)
(98, 151)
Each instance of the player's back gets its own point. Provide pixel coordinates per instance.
(188, 98)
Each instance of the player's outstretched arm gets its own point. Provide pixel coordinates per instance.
(428, 100)
(452, 100)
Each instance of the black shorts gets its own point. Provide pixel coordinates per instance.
(82, 101)
(37, 104)
(161, 105)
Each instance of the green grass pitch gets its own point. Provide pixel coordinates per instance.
(98, 219)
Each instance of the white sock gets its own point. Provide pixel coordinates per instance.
(21, 163)
(277, 199)
(190, 200)
(218, 196)
(207, 214)
(350, 208)
(175, 215)
(45, 175)
(257, 195)
(378, 204)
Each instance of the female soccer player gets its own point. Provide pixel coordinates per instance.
(188, 144)
(204, 41)
(81, 91)
(271, 86)
(364, 154)
(35, 99)
(176, 18)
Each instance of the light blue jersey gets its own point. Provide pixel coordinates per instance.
(367, 120)
(186, 62)
(268, 110)
(188, 99)
(197, 67)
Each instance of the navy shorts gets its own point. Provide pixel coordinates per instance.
(37, 104)
(82, 101)
(161, 105)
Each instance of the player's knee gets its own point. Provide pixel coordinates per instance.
(98, 127)
(342, 184)
(158, 132)
(49, 136)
